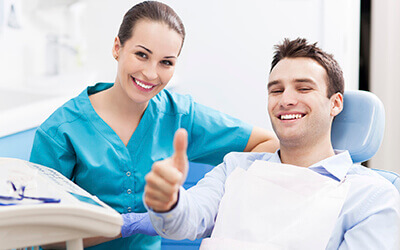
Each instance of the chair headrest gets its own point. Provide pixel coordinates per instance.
(360, 126)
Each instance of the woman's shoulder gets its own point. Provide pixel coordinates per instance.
(173, 103)
(68, 113)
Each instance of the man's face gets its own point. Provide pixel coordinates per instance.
(298, 106)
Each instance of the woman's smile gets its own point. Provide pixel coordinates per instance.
(142, 85)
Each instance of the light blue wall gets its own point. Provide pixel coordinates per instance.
(18, 145)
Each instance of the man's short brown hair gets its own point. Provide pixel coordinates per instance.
(301, 48)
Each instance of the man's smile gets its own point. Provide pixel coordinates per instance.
(292, 116)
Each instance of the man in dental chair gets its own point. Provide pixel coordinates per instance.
(305, 196)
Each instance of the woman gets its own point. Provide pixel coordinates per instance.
(108, 137)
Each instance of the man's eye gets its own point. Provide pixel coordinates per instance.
(304, 89)
(141, 54)
(167, 63)
(276, 91)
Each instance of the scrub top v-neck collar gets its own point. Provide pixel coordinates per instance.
(105, 130)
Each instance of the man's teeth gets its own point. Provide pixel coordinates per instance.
(143, 85)
(291, 116)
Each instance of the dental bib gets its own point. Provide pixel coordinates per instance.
(277, 206)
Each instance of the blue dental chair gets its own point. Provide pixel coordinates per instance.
(359, 128)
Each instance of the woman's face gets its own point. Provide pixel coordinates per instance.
(146, 62)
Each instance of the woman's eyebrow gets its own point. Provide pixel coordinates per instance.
(141, 46)
(151, 52)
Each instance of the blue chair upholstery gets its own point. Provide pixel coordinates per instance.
(359, 128)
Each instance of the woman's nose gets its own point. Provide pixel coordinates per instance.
(150, 71)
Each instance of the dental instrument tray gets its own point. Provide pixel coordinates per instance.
(38, 206)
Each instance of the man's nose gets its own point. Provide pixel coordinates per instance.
(288, 98)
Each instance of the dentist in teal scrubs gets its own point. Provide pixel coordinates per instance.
(107, 138)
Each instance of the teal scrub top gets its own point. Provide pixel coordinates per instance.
(75, 141)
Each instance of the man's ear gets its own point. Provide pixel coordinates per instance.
(116, 48)
(336, 104)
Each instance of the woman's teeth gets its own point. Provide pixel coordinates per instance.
(291, 116)
(139, 83)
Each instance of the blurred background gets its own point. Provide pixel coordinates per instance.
(50, 50)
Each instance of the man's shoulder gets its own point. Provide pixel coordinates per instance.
(362, 174)
(244, 159)
(365, 181)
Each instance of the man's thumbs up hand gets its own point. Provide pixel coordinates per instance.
(166, 176)
(179, 159)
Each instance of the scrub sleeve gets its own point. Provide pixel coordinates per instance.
(75, 141)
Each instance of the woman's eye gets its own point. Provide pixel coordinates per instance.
(141, 54)
(167, 63)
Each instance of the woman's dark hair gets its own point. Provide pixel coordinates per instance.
(301, 48)
(152, 11)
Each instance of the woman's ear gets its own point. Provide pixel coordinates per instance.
(116, 48)
(336, 104)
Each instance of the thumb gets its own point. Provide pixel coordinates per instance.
(180, 146)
